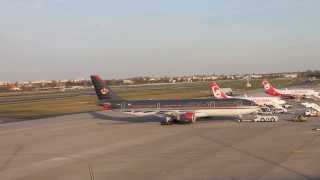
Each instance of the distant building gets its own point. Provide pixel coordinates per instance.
(210, 78)
(63, 81)
(41, 82)
(73, 88)
(291, 75)
(230, 77)
(256, 76)
(173, 81)
(248, 84)
(127, 81)
(238, 76)
(4, 83)
(15, 88)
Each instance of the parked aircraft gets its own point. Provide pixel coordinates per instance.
(291, 94)
(186, 110)
(275, 102)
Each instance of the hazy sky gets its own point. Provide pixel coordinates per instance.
(61, 39)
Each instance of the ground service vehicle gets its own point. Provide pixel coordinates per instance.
(266, 118)
(311, 112)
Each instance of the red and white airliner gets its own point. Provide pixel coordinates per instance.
(291, 94)
(276, 102)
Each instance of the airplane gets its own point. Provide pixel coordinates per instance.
(289, 94)
(275, 102)
(181, 110)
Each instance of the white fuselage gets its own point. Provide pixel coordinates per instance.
(210, 112)
(226, 111)
(299, 92)
(262, 101)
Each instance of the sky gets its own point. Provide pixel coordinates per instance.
(65, 39)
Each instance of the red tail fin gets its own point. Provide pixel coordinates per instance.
(269, 89)
(217, 92)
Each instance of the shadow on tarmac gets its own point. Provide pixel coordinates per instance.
(125, 118)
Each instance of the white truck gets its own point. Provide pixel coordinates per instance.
(310, 112)
(266, 114)
(266, 118)
(312, 109)
(262, 118)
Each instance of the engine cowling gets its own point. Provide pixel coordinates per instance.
(106, 106)
(187, 117)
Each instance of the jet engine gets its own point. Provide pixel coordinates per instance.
(187, 117)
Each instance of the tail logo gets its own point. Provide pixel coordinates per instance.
(217, 92)
(104, 91)
(267, 86)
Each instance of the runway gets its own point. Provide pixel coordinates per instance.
(104, 145)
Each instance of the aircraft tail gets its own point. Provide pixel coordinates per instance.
(217, 92)
(103, 91)
(269, 89)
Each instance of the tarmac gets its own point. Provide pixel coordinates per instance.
(109, 145)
